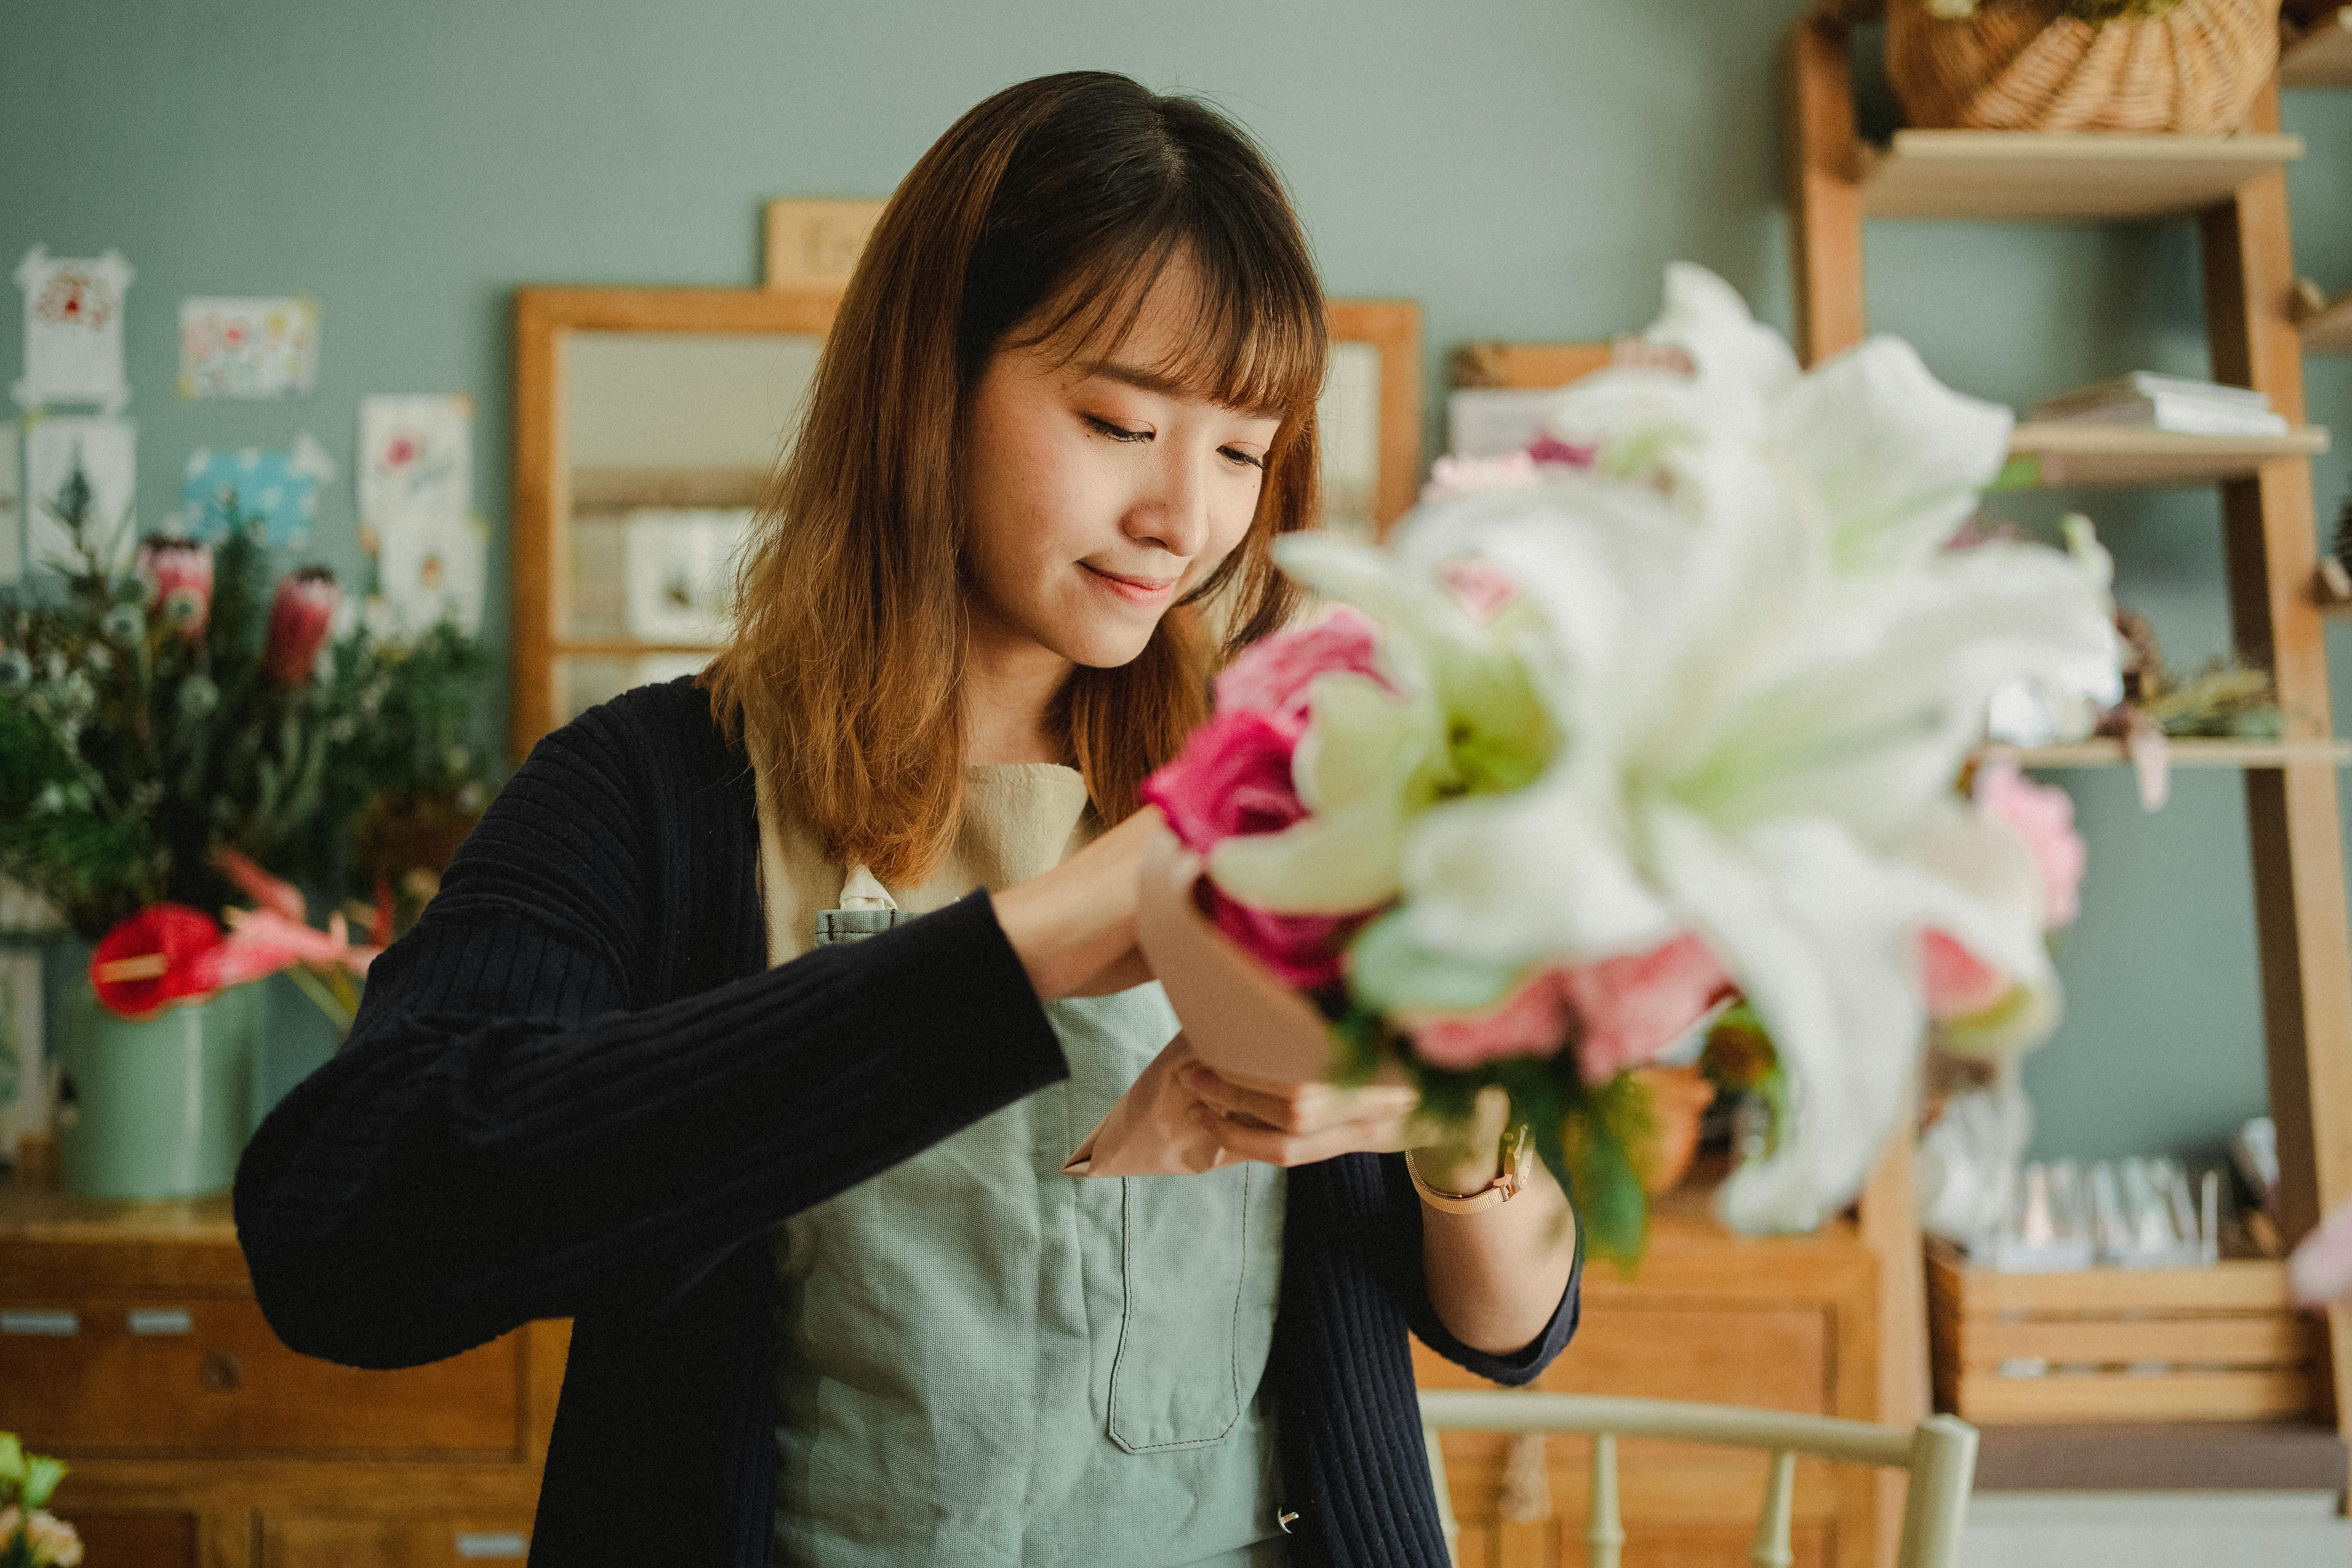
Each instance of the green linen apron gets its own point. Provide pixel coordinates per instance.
(982, 1362)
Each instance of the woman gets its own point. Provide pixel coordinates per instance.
(670, 1055)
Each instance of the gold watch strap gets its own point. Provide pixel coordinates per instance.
(1518, 1155)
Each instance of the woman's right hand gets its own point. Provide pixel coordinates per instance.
(1074, 927)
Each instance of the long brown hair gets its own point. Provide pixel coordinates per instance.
(1044, 215)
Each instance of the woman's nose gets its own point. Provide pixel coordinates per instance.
(1175, 515)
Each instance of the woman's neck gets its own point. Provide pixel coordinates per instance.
(1010, 682)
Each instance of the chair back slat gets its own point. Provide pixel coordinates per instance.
(1604, 1533)
(1771, 1549)
(1940, 1454)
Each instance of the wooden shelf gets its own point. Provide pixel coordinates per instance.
(622, 648)
(2108, 455)
(2060, 175)
(2186, 752)
(2322, 56)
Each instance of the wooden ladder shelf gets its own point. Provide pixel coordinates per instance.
(2234, 189)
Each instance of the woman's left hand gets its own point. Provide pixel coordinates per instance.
(1299, 1123)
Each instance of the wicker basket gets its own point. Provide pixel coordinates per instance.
(2027, 65)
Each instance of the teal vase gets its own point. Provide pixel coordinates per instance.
(159, 1109)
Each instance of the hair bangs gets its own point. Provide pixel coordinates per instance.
(1259, 343)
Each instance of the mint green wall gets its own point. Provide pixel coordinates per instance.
(1524, 170)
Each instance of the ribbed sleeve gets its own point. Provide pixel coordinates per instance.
(1353, 1463)
(555, 1103)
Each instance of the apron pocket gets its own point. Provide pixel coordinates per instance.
(1184, 1260)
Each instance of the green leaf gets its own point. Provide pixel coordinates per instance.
(12, 1459)
(41, 1478)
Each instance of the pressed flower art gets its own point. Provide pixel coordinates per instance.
(1665, 715)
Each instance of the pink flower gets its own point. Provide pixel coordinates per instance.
(1480, 587)
(264, 889)
(1273, 676)
(2043, 816)
(1233, 777)
(263, 941)
(299, 613)
(1622, 1012)
(1957, 982)
(1451, 477)
(53, 1543)
(1548, 449)
(2321, 1268)
(1633, 1007)
(1532, 1021)
(179, 573)
(1306, 950)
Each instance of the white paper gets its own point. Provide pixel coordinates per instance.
(24, 1078)
(73, 330)
(12, 511)
(680, 566)
(428, 567)
(105, 449)
(1495, 421)
(248, 348)
(416, 458)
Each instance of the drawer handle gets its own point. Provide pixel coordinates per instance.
(58, 1323)
(160, 1321)
(220, 1372)
(492, 1543)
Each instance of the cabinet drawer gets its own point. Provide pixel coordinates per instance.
(134, 1539)
(418, 1541)
(135, 1376)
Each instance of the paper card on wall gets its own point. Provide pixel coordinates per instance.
(248, 348)
(279, 488)
(415, 459)
(73, 330)
(429, 566)
(679, 565)
(23, 1083)
(12, 509)
(102, 452)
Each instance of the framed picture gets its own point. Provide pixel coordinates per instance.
(1369, 416)
(814, 243)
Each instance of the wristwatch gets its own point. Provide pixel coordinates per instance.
(1518, 1167)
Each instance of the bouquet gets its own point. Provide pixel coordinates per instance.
(168, 727)
(31, 1536)
(1655, 735)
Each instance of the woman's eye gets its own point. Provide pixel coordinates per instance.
(1241, 458)
(1116, 432)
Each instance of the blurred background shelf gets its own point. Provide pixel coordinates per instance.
(2057, 177)
(2112, 455)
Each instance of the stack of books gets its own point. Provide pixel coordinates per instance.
(2174, 403)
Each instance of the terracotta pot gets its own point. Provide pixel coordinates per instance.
(1678, 1101)
(1237, 1016)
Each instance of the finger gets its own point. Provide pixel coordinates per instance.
(1296, 1107)
(1273, 1146)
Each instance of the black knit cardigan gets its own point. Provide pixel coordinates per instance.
(577, 1090)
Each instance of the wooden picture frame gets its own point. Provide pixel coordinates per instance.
(1392, 328)
(814, 242)
(545, 319)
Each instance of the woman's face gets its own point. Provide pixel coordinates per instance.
(1098, 493)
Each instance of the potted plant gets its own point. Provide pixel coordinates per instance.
(31, 1536)
(164, 735)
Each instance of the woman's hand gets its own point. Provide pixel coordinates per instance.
(1299, 1123)
(1074, 927)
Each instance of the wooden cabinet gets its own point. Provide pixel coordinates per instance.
(131, 1347)
(1788, 1323)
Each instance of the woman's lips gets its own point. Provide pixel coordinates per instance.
(1135, 590)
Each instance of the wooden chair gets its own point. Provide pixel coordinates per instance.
(1940, 1454)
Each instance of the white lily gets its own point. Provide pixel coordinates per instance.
(1765, 672)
